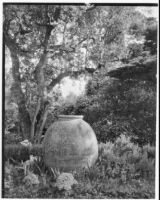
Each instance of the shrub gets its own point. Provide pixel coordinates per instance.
(117, 108)
(21, 153)
(125, 159)
(135, 50)
(123, 170)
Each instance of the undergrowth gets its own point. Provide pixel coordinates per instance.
(122, 170)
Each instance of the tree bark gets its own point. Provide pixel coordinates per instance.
(26, 125)
(39, 76)
(19, 97)
(34, 118)
(40, 130)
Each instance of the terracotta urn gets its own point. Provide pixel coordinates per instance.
(70, 143)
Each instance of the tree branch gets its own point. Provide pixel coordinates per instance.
(57, 80)
(70, 49)
(39, 73)
(16, 88)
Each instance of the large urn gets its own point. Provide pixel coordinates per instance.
(70, 143)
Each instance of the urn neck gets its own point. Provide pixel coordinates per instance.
(69, 117)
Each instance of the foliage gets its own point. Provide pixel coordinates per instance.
(65, 181)
(31, 179)
(11, 118)
(74, 37)
(49, 42)
(134, 50)
(151, 36)
(12, 138)
(122, 171)
(126, 159)
(115, 107)
(21, 153)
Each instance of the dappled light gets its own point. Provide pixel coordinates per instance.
(72, 86)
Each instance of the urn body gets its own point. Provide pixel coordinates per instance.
(70, 143)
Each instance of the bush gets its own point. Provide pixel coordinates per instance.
(21, 153)
(123, 170)
(116, 108)
(135, 50)
(127, 157)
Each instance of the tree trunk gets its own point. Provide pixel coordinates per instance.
(28, 126)
(19, 97)
(40, 127)
(39, 76)
(34, 118)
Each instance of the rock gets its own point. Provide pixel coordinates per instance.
(137, 70)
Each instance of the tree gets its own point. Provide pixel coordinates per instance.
(46, 43)
(29, 35)
(121, 98)
(22, 25)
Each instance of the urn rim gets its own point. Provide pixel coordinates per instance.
(70, 117)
